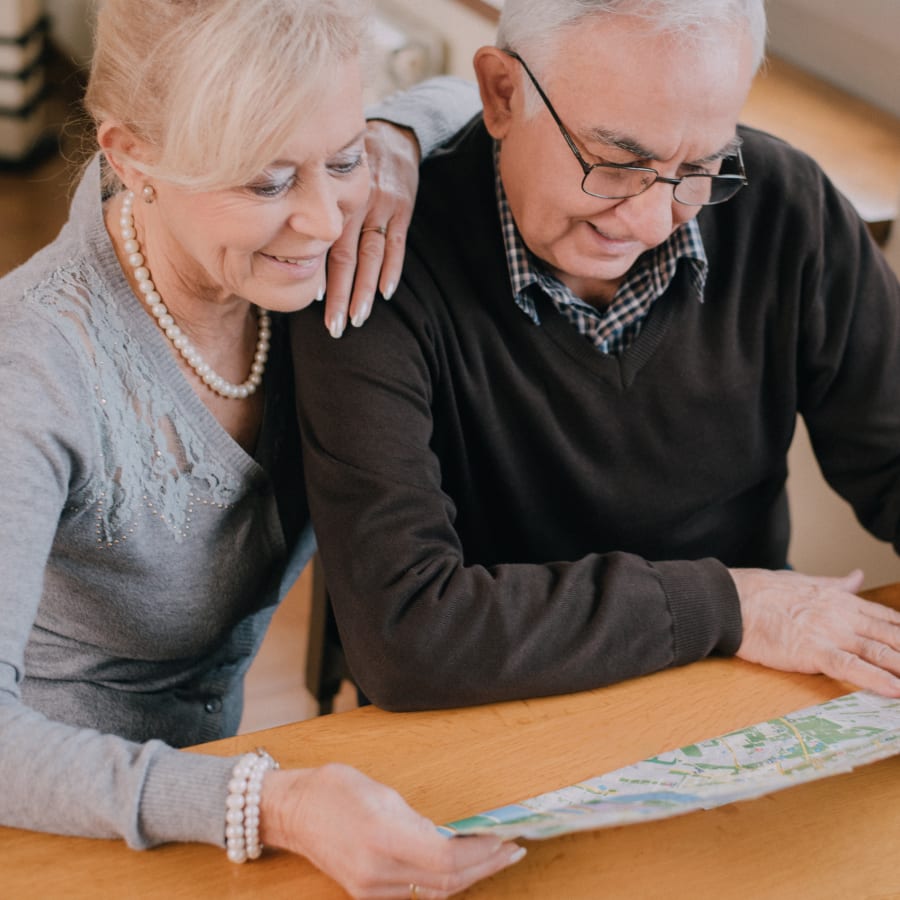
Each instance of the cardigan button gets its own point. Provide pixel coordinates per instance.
(213, 706)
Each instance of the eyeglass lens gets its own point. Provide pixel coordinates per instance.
(695, 190)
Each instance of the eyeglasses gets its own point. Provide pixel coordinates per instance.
(618, 181)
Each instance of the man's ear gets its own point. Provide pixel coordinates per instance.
(122, 150)
(499, 84)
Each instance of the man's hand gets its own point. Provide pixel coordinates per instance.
(802, 623)
(369, 254)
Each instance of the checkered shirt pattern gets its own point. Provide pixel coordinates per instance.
(613, 328)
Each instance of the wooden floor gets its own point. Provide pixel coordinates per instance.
(33, 207)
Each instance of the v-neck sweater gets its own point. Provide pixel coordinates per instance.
(505, 512)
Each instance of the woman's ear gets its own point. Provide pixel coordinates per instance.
(122, 150)
(498, 83)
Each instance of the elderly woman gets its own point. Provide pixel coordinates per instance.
(149, 463)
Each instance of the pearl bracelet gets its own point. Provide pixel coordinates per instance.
(242, 806)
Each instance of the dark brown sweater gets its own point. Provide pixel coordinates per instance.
(504, 512)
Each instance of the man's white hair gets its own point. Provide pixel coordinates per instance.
(534, 27)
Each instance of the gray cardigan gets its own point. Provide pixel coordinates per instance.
(142, 551)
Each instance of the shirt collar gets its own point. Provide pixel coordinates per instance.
(658, 265)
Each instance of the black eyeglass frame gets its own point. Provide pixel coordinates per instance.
(740, 178)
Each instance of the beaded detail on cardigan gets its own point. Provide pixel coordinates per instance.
(130, 412)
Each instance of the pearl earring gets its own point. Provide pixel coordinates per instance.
(148, 193)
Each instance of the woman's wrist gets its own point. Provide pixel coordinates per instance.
(279, 806)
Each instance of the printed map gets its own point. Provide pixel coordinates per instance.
(806, 745)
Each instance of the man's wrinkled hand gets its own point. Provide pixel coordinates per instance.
(804, 623)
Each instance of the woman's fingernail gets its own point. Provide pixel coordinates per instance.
(336, 326)
(517, 855)
(321, 294)
(389, 291)
(361, 315)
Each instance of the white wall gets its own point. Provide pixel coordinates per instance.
(71, 24)
(853, 45)
(892, 250)
(827, 539)
(464, 30)
(857, 47)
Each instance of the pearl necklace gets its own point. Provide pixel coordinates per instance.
(179, 339)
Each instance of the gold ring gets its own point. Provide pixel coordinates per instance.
(381, 229)
(413, 891)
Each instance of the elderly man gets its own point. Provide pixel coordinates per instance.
(558, 458)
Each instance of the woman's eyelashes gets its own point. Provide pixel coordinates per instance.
(347, 165)
(271, 188)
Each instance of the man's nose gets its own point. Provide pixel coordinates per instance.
(650, 215)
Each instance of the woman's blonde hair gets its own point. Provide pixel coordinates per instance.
(216, 87)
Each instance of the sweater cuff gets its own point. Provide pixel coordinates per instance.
(705, 609)
(184, 798)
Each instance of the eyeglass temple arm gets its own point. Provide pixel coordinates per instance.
(585, 166)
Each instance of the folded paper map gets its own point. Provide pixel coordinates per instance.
(806, 745)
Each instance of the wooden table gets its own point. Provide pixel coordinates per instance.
(835, 838)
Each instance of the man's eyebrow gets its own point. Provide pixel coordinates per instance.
(730, 149)
(639, 151)
(616, 139)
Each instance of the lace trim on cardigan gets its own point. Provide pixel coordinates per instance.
(131, 415)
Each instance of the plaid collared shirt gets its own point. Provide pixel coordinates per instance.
(613, 328)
